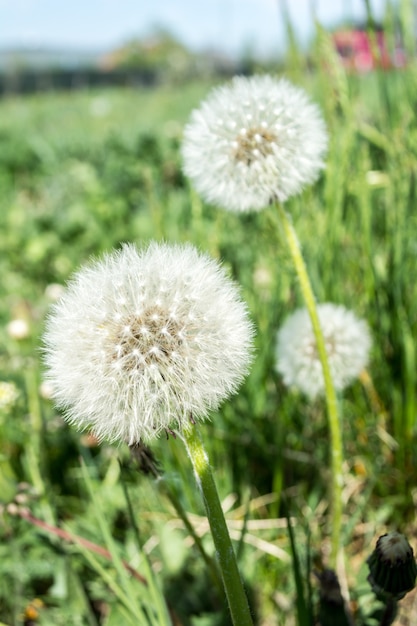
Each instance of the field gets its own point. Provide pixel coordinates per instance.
(81, 173)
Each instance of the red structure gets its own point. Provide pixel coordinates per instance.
(356, 51)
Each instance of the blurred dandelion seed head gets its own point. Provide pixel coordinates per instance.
(254, 141)
(143, 339)
(347, 340)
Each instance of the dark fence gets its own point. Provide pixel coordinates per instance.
(29, 81)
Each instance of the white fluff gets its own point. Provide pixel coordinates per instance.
(254, 141)
(347, 342)
(148, 340)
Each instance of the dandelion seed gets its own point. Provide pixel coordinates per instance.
(347, 342)
(142, 340)
(254, 141)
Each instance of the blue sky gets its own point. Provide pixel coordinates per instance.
(230, 25)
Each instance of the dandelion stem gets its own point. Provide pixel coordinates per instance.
(330, 393)
(389, 613)
(233, 586)
(148, 464)
(211, 564)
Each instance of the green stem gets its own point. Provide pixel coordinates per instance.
(35, 446)
(236, 596)
(389, 613)
(211, 564)
(143, 455)
(330, 393)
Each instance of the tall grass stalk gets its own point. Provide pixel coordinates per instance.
(210, 563)
(233, 586)
(170, 492)
(336, 448)
(34, 452)
(147, 609)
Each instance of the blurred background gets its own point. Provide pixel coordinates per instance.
(45, 44)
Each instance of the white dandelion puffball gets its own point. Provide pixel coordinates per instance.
(254, 141)
(347, 340)
(147, 340)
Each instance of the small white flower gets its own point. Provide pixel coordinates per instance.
(347, 341)
(254, 141)
(144, 341)
(9, 393)
(18, 329)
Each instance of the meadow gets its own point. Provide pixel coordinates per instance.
(82, 173)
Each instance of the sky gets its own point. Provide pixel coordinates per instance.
(228, 25)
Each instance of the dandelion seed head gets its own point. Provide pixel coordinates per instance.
(142, 340)
(347, 340)
(253, 141)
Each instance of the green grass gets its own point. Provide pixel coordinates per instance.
(79, 174)
(66, 119)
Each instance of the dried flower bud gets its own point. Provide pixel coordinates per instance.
(392, 566)
(332, 608)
